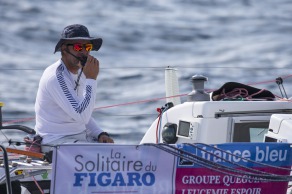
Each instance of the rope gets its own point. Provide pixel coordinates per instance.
(141, 101)
(239, 93)
(37, 184)
(78, 79)
(102, 107)
(158, 124)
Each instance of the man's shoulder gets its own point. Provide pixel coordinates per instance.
(52, 71)
(56, 67)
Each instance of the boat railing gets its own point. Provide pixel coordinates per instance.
(18, 127)
(7, 173)
(30, 169)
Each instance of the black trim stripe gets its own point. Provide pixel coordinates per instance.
(84, 104)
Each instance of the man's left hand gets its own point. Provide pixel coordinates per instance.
(105, 139)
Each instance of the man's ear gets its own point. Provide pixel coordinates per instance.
(64, 49)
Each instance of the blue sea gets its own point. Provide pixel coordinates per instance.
(246, 41)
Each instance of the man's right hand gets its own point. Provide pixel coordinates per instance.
(91, 68)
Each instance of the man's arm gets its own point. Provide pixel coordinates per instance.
(95, 131)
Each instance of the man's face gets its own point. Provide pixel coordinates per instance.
(78, 48)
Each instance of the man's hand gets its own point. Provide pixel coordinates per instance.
(91, 68)
(105, 139)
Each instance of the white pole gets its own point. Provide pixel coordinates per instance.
(171, 86)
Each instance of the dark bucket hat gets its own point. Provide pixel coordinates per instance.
(78, 32)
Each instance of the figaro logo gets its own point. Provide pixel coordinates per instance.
(114, 179)
(113, 170)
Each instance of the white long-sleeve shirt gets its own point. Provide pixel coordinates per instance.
(61, 110)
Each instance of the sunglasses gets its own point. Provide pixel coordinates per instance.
(79, 47)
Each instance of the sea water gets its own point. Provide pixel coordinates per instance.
(247, 41)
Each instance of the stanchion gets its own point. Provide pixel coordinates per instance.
(7, 173)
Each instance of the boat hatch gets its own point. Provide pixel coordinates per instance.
(249, 129)
(252, 113)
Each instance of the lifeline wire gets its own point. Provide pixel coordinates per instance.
(200, 161)
(218, 167)
(243, 172)
(151, 100)
(234, 163)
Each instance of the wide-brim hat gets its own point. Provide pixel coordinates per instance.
(78, 32)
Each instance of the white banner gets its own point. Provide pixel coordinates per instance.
(101, 169)
(235, 168)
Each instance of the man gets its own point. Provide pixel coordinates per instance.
(67, 91)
